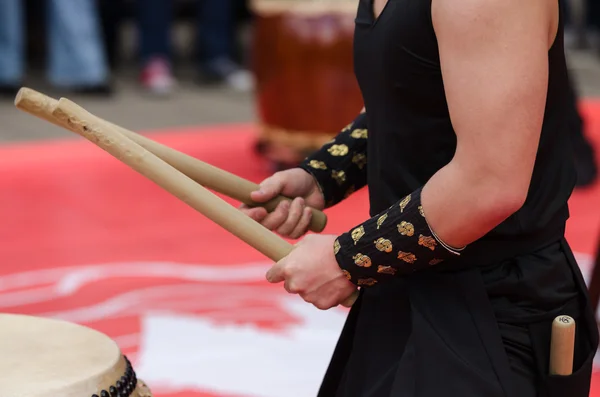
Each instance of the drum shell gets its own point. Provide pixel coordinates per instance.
(306, 88)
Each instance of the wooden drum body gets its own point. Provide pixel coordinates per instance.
(306, 88)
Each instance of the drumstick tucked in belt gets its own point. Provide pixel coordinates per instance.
(562, 346)
(105, 136)
(205, 174)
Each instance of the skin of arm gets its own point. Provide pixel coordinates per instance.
(494, 61)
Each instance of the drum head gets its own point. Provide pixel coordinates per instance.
(43, 357)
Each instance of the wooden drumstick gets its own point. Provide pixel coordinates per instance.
(175, 182)
(562, 346)
(205, 174)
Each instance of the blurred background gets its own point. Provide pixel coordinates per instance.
(248, 86)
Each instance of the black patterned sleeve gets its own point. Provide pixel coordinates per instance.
(395, 242)
(340, 166)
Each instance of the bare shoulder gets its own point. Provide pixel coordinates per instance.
(480, 20)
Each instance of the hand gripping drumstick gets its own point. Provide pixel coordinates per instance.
(562, 346)
(76, 119)
(205, 174)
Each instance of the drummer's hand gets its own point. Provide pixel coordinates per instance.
(288, 219)
(312, 271)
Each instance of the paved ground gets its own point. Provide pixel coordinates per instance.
(193, 105)
(135, 109)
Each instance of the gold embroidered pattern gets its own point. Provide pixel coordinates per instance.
(367, 281)
(386, 270)
(347, 274)
(407, 257)
(406, 229)
(336, 247)
(339, 176)
(427, 242)
(381, 219)
(383, 245)
(421, 211)
(338, 150)
(404, 203)
(362, 260)
(360, 160)
(359, 133)
(319, 165)
(357, 234)
(435, 261)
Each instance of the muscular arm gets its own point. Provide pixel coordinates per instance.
(340, 166)
(494, 62)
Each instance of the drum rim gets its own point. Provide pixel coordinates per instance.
(125, 386)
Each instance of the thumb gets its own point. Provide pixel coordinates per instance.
(268, 189)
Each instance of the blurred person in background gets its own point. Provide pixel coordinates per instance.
(76, 57)
(215, 38)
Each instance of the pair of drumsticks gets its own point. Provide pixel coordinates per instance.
(189, 179)
(183, 176)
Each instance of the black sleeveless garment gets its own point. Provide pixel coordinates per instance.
(481, 329)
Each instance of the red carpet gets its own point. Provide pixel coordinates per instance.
(84, 238)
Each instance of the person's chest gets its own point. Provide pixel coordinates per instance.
(395, 48)
(378, 7)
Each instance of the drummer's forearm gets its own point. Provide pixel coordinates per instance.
(340, 166)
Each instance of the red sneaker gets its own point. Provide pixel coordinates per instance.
(157, 78)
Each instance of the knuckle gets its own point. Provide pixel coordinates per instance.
(271, 186)
(321, 304)
(297, 202)
(308, 214)
(304, 222)
(308, 298)
(298, 212)
(294, 288)
(282, 209)
(277, 179)
(287, 272)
